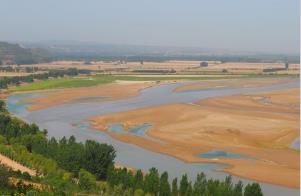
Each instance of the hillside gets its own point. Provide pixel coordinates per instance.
(15, 54)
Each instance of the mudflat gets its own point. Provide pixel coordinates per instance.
(258, 125)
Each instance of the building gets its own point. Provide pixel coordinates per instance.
(204, 64)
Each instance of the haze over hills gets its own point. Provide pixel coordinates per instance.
(98, 51)
(84, 47)
(16, 54)
(37, 52)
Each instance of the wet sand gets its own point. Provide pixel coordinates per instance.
(107, 92)
(234, 83)
(259, 125)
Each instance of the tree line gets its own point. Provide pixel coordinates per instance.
(53, 73)
(152, 183)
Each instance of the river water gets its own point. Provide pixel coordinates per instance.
(72, 119)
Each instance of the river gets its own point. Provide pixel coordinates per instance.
(72, 119)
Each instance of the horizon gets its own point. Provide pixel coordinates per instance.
(211, 51)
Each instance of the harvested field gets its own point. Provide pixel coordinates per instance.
(11, 74)
(188, 67)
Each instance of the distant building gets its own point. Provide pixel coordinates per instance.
(204, 64)
(286, 66)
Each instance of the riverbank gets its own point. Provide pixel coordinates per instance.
(260, 125)
(105, 92)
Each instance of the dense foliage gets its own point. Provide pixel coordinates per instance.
(153, 183)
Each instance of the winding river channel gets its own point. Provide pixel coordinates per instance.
(72, 119)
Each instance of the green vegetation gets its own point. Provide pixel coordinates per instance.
(63, 83)
(17, 80)
(87, 81)
(152, 183)
(67, 167)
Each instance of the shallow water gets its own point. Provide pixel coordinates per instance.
(138, 130)
(16, 106)
(90, 99)
(222, 154)
(295, 144)
(72, 119)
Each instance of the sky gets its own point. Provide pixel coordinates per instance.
(271, 26)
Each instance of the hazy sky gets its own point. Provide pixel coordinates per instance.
(252, 25)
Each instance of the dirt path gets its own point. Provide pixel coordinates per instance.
(16, 166)
(14, 181)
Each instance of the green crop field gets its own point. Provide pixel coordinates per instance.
(64, 83)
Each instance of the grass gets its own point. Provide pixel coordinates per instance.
(64, 83)
(105, 79)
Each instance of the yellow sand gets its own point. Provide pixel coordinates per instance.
(112, 91)
(233, 83)
(242, 124)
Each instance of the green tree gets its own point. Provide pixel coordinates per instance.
(200, 184)
(98, 158)
(118, 190)
(164, 185)
(152, 181)
(174, 191)
(2, 106)
(86, 180)
(212, 187)
(139, 192)
(226, 188)
(183, 185)
(237, 191)
(189, 191)
(128, 192)
(4, 175)
(253, 190)
(139, 179)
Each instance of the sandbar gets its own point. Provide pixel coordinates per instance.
(260, 125)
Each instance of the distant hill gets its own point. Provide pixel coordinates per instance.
(76, 50)
(37, 52)
(16, 54)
